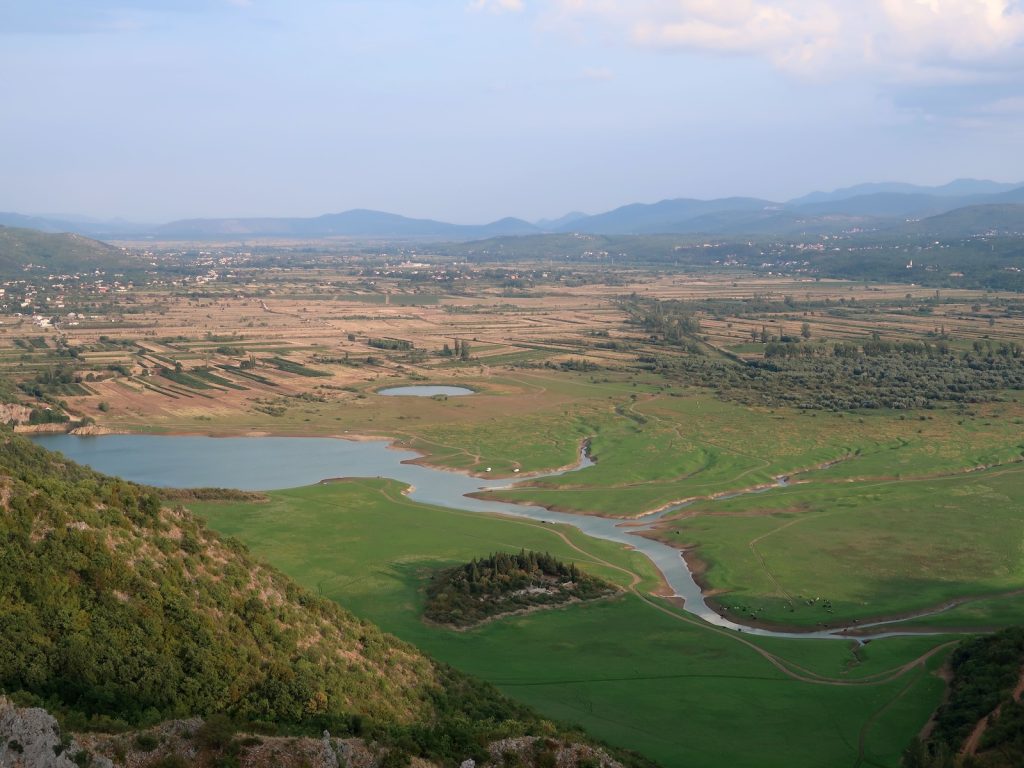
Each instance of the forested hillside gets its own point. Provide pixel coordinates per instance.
(117, 610)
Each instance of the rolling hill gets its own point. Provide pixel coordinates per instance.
(354, 223)
(971, 221)
(665, 216)
(20, 248)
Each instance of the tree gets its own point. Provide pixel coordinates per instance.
(464, 351)
(805, 330)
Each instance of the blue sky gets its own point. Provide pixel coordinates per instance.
(475, 109)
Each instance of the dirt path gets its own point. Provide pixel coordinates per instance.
(946, 675)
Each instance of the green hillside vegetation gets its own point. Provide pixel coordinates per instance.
(986, 674)
(1007, 218)
(506, 583)
(957, 259)
(64, 252)
(117, 611)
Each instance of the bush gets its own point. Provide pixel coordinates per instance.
(216, 733)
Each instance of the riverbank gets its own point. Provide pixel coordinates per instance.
(266, 463)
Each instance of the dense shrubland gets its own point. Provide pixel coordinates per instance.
(874, 373)
(841, 382)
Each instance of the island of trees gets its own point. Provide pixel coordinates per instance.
(506, 583)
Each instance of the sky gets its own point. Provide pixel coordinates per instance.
(472, 110)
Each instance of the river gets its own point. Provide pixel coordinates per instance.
(269, 463)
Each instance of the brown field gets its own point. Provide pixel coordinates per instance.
(324, 321)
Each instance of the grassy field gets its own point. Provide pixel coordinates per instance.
(835, 552)
(631, 670)
(660, 449)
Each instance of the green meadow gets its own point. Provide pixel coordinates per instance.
(832, 553)
(656, 449)
(632, 670)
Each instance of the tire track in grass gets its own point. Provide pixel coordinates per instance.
(764, 564)
(865, 729)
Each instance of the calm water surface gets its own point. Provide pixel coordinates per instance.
(425, 391)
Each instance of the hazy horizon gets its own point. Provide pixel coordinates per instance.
(74, 215)
(467, 112)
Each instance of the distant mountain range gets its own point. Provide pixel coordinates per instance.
(874, 206)
(957, 188)
(356, 223)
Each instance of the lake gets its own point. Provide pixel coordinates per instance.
(425, 391)
(270, 463)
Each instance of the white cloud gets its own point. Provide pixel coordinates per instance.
(496, 6)
(598, 73)
(900, 40)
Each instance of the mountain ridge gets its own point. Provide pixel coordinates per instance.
(864, 205)
(358, 222)
(956, 188)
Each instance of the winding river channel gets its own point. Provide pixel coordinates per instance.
(268, 463)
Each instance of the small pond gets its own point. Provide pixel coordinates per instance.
(425, 391)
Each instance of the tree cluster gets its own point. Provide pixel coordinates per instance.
(505, 583)
(877, 375)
